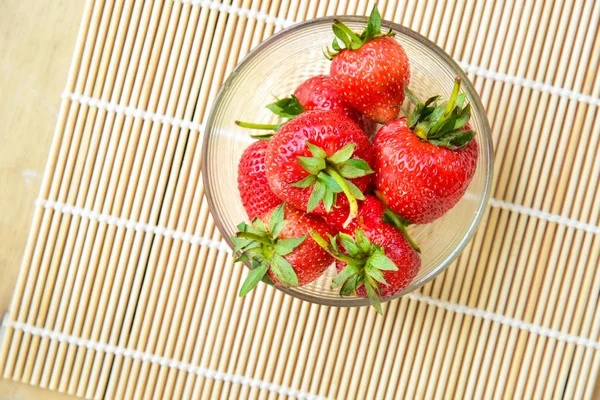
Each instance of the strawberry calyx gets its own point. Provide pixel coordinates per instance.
(261, 248)
(286, 108)
(442, 125)
(330, 175)
(350, 39)
(365, 263)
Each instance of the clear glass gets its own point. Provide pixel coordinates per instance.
(275, 68)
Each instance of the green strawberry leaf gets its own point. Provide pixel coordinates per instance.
(373, 26)
(276, 217)
(349, 244)
(456, 140)
(380, 261)
(242, 258)
(283, 271)
(267, 280)
(316, 151)
(350, 39)
(316, 196)
(363, 241)
(355, 191)
(342, 154)
(329, 182)
(335, 45)
(311, 164)
(286, 246)
(244, 227)
(414, 99)
(259, 226)
(350, 285)
(253, 278)
(239, 243)
(333, 243)
(306, 182)
(277, 228)
(253, 236)
(462, 118)
(373, 297)
(344, 275)
(354, 168)
(460, 100)
(429, 102)
(376, 274)
(328, 199)
(288, 107)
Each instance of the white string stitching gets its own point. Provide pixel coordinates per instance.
(202, 241)
(134, 225)
(501, 319)
(240, 11)
(559, 219)
(163, 361)
(132, 111)
(474, 69)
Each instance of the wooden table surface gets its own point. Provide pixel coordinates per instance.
(36, 42)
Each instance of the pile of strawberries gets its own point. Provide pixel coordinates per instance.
(326, 185)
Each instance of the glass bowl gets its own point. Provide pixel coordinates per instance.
(275, 68)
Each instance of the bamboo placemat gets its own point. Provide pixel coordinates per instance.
(126, 290)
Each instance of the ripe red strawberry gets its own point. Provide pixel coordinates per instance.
(374, 259)
(257, 196)
(318, 93)
(425, 162)
(278, 250)
(370, 206)
(316, 156)
(371, 71)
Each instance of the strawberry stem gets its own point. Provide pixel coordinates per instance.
(394, 219)
(262, 136)
(325, 246)
(449, 107)
(452, 101)
(251, 125)
(351, 199)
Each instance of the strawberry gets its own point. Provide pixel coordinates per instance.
(371, 70)
(257, 196)
(370, 206)
(374, 259)
(316, 93)
(278, 250)
(316, 156)
(425, 162)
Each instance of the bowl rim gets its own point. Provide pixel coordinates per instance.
(475, 101)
